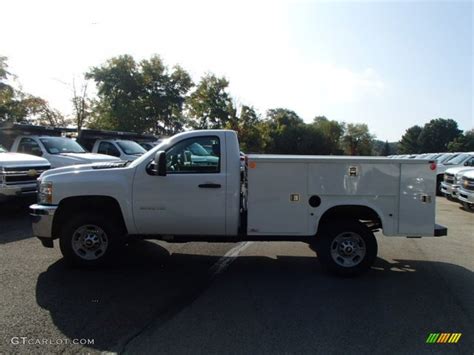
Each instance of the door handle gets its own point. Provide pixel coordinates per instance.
(210, 186)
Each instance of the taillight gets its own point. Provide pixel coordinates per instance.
(433, 166)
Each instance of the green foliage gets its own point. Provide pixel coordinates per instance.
(332, 132)
(463, 143)
(357, 139)
(139, 97)
(288, 134)
(437, 134)
(409, 144)
(210, 105)
(433, 137)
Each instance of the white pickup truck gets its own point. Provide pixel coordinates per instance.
(122, 145)
(334, 203)
(18, 174)
(48, 143)
(466, 190)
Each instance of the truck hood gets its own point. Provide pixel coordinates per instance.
(85, 158)
(458, 169)
(18, 159)
(469, 174)
(85, 167)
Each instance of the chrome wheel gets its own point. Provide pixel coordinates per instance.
(89, 242)
(348, 249)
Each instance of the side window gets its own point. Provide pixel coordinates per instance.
(194, 155)
(29, 146)
(108, 149)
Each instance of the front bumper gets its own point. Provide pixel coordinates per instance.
(42, 220)
(466, 196)
(8, 191)
(449, 190)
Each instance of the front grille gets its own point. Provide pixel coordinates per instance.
(449, 178)
(23, 175)
(468, 184)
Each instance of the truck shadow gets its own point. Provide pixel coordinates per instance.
(15, 220)
(394, 306)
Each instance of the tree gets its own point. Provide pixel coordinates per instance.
(332, 132)
(437, 134)
(81, 106)
(139, 97)
(463, 143)
(410, 144)
(250, 129)
(288, 134)
(357, 139)
(386, 149)
(210, 105)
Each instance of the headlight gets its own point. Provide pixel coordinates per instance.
(445, 177)
(45, 192)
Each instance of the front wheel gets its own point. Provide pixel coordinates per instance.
(89, 240)
(468, 206)
(346, 248)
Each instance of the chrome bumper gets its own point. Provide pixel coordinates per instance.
(448, 189)
(466, 196)
(7, 191)
(42, 220)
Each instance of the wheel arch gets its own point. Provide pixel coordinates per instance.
(367, 214)
(104, 205)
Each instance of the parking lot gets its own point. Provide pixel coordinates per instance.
(237, 298)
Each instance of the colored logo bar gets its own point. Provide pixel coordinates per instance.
(443, 338)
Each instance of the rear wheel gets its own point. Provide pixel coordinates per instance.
(346, 248)
(90, 240)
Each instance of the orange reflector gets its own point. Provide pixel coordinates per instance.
(252, 165)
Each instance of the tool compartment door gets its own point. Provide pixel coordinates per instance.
(417, 200)
(277, 198)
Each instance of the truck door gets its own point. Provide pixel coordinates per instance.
(190, 199)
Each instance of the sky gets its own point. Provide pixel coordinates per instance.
(390, 65)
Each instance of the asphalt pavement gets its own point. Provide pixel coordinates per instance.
(237, 298)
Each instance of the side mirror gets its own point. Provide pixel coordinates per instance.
(466, 163)
(160, 163)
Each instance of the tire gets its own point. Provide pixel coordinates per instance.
(346, 248)
(439, 178)
(90, 240)
(468, 206)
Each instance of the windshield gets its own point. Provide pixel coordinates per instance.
(197, 149)
(458, 160)
(446, 157)
(59, 145)
(131, 147)
(2, 149)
